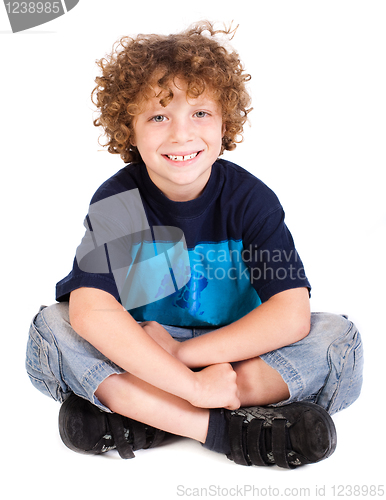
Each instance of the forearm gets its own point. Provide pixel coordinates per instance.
(282, 320)
(98, 318)
(101, 320)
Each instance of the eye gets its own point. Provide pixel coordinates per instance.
(158, 118)
(201, 114)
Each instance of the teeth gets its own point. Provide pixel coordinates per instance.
(182, 158)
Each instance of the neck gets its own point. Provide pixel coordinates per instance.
(181, 193)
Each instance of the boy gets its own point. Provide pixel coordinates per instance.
(187, 308)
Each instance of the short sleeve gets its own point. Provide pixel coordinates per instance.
(270, 253)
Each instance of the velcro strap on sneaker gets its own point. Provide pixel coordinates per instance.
(236, 440)
(121, 443)
(154, 437)
(255, 442)
(138, 435)
(279, 442)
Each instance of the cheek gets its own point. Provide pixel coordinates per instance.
(215, 132)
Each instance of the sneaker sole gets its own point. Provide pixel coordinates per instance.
(329, 426)
(65, 417)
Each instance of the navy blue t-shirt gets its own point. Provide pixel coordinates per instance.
(201, 263)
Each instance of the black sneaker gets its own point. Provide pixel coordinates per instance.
(288, 436)
(86, 429)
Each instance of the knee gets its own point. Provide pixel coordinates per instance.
(328, 331)
(329, 325)
(55, 314)
(344, 382)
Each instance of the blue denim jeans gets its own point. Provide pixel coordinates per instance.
(324, 368)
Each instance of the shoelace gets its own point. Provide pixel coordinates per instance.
(249, 442)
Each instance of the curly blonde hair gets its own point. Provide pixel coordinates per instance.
(194, 56)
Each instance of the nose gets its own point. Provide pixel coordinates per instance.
(182, 130)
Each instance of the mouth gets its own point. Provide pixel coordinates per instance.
(178, 158)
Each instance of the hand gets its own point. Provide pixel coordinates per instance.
(163, 338)
(217, 388)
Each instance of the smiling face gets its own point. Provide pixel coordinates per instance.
(180, 142)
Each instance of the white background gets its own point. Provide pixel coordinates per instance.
(317, 138)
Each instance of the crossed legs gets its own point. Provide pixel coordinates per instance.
(258, 385)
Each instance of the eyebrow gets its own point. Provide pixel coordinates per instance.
(194, 102)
